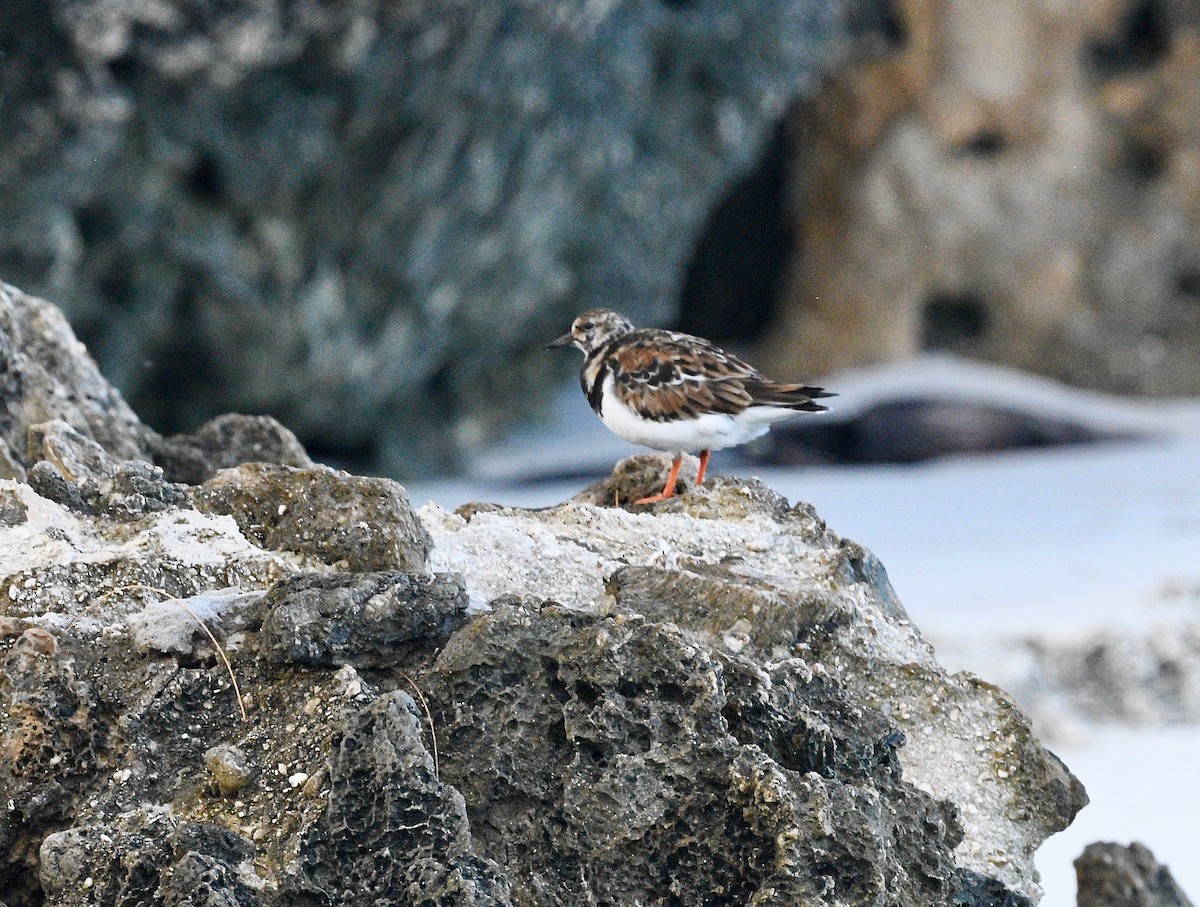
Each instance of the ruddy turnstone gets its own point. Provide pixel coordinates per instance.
(675, 392)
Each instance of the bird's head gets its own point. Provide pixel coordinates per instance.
(592, 330)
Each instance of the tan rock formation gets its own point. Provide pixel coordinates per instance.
(1018, 182)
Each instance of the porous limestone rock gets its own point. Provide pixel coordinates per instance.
(94, 570)
(718, 698)
(402, 811)
(356, 522)
(361, 619)
(755, 586)
(153, 859)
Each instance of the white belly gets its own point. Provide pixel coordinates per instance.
(711, 431)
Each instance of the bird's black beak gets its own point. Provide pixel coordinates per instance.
(565, 340)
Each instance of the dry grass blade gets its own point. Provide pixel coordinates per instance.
(168, 597)
(220, 652)
(428, 717)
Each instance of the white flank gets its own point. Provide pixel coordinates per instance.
(711, 431)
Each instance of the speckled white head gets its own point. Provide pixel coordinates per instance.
(593, 329)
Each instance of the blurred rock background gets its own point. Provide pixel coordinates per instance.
(365, 218)
(362, 217)
(1016, 181)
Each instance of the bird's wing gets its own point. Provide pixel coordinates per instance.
(664, 376)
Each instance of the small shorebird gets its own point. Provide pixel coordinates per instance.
(675, 392)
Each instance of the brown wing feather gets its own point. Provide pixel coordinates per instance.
(664, 377)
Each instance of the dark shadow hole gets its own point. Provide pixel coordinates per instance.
(556, 734)
(1188, 284)
(1144, 161)
(178, 370)
(732, 283)
(117, 289)
(124, 69)
(96, 223)
(204, 180)
(741, 730)
(439, 385)
(891, 25)
(703, 81)
(952, 321)
(356, 458)
(672, 692)
(918, 430)
(1140, 42)
(879, 23)
(558, 689)
(629, 689)
(986, 143)
(663, 63)
(587, 693)
(591, 751)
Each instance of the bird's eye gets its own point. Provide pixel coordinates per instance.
(586, 326)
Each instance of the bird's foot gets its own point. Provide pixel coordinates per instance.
(668, 489)
(668, 492)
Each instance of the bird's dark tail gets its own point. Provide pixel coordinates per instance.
(799, 397)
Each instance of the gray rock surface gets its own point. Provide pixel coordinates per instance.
(357, 522)
(726, 702)
(225, 442)
(385, 800)
(177, 624)
(663, 765)
(229, 768)
(1115, 875)
(46, 374)
(362, 619)
(154, 859)
(361, 217)
(56, 406)
(764, 587)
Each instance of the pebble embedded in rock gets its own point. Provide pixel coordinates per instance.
(228, 766)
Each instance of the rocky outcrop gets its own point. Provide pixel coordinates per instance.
(774, 599)
(721, 699)
(339, 212)
(1113, 875)
(713, 701)
(1015, 181)
(47, 378)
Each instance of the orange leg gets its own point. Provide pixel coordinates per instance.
(669, 490)
(704, 455)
